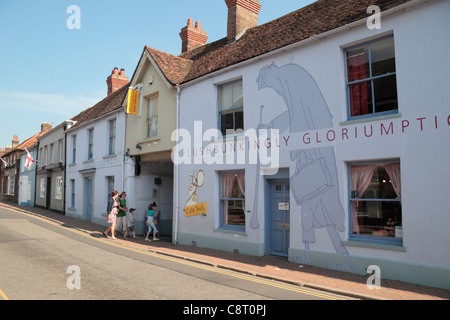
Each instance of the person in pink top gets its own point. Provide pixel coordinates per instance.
(112, 215)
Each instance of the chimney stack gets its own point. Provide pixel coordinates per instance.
(46, 126)
(192, 37)
(15, 142)
(116, 80)
(242, 15)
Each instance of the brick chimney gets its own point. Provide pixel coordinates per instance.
(116, 80)
(46, 126)
(15, 142)
(242, 15)
(192, 37)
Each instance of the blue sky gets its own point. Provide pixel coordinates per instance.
(50, 73)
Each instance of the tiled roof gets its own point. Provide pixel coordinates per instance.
(314, 19)
(108, 104)
(174, 68)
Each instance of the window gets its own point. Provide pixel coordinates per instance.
(112, 137)
(375, 201)
(50, 155)
(72, 193)
(74, 148)
(233, 199)
(42, 188)
(152, 117)
(59, 188)
(11, 181)
(61, 150)
(371, 78)
(231, 108)
(90, 144)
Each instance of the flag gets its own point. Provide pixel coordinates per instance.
(29, 160)
(4, 162)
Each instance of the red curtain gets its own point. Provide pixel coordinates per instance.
(356, 70)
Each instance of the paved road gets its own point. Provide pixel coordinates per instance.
(45, 261)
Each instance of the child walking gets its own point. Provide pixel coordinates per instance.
(131, 219)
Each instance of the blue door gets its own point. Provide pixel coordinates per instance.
(279, 217)
(88, 209)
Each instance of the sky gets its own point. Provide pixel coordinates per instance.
(52, 67)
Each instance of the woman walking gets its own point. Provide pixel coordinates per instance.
(112, 215)
(151, 224)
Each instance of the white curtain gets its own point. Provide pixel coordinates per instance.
(227, 189)
(393, 171)
(360, 180)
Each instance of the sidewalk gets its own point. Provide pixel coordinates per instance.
(271, 267)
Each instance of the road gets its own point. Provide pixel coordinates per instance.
(41, 260)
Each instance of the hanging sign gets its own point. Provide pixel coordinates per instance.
(199, 208)
(132, 101)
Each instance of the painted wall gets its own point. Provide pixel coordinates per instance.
(167, 102)
(27, 178)
(418, 135)
(98, 169)
(155, 161)
(51, 168)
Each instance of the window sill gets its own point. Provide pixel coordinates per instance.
(373, 245)
(150, 140)
(110, 156)
(231, 231)
(368, 119)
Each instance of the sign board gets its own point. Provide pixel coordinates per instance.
(132, 101)
(283, 206)
(199, 208)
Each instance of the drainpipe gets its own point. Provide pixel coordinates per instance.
(177, 172)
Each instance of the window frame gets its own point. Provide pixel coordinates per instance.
(370, 238)
(90, 144)
(112, 134)
(230, 110)
(223, 225)
(152, 103)
(370, 79)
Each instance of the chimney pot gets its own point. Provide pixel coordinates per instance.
(116, 80)
(192, 37)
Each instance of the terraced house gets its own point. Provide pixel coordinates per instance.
(95, 156)
(321, 136)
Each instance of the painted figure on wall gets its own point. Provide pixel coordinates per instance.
(314, 183)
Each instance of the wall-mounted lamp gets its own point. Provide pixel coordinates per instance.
(138, 146)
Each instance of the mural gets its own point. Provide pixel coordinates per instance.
(192, 207)
(314, 183)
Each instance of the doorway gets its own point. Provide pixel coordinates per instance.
(279, 217)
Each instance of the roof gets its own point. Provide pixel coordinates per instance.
(312, 20)
(27, 144)
(174, 68)
(108, 104)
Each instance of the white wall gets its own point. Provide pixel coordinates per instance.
(422, 45)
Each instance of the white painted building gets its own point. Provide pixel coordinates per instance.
(96, 162)
(363, 122)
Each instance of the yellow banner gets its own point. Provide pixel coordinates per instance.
(132, 101)
(199, 208)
